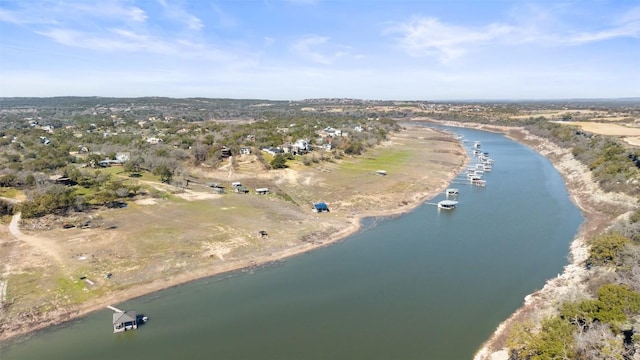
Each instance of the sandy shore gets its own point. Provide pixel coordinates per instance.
(351, 224)
(590, 199)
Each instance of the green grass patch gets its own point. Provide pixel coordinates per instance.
(9, 192)
(383, 160)
(72, 290)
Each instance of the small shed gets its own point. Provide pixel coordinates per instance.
(320, 207)
(124, 320)
(381, 172)
(241, 189)
(262, 191)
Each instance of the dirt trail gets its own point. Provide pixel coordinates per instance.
(48, 248)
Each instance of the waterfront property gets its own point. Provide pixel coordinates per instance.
(452, 192)
(447, 204)
(124, 320)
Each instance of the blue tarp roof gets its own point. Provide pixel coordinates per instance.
(320, 206)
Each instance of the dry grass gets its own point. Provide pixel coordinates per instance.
(605, 128)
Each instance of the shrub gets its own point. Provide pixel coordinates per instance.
(606, 248)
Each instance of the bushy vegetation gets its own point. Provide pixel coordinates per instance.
(614, 165)
(589, 329)
(606, 248)
(75, 138)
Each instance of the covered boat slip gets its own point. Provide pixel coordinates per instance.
(447, 204)
(123, 321)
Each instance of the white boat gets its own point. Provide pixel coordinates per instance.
(477, 144)
(452, 192)
(447, 204)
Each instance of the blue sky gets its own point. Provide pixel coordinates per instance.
(298, 49)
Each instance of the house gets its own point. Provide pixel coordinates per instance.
(273, 151)
(320, 207)
(154, 140)
(124, 320)
(225, 152)
(123, 157)
(245, 151)
(108, 163)
(262, 191)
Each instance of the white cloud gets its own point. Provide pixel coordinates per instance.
(109, 9)
(126, 41)
(430, 37)
(178, 13)
(318, 49)
(46, 13)
(268, 41)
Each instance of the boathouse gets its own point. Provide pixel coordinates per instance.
(124, 320)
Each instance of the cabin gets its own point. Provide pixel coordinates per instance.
(124, 320)
(320, 207)
(241, 189)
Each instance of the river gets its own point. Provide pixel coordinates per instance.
(429, 284)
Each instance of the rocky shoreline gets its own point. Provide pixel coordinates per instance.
(591, 201)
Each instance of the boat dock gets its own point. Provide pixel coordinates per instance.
(114, 308)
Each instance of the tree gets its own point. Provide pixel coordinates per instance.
(164, 173)
(133, 166)
(278, 162)
(606, 248)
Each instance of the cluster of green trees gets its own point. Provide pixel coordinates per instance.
(89, 130)
(612, 163)
(589, 329)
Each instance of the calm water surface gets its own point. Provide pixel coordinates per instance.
(428, 285)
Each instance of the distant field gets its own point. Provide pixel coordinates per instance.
(605, 128)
